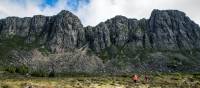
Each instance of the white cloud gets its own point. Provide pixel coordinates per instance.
(100, 10)
(14, 8)
(29, 8)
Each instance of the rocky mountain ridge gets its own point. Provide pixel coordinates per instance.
(165, 30)
(167, 41)
(57, 33)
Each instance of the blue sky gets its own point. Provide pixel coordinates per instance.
(49, 2)
(72, 4)
(92, 12)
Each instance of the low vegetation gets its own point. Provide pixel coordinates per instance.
(172, 80)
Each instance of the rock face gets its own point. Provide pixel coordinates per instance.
(58, 33)
(165, 30)
(172, 30)
(167, 41)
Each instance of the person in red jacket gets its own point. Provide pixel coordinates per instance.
(135, 78)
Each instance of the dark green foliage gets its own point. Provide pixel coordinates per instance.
(108, 53)
(22, 69)
(196, 76)
(52, 74)
(42, 73)
(78, 74)
(39, 73)
(7, 45)
(17, 43)
(11, 69)
(17, 69)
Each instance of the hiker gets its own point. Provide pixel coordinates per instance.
(135, 78)
(146, 78)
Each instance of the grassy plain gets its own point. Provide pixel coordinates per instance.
(172, 80)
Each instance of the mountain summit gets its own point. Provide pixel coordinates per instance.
(167, 41)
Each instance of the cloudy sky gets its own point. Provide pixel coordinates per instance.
(91, 12)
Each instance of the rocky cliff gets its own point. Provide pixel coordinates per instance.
(58, 33)
(167, 41)
(165, 30)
